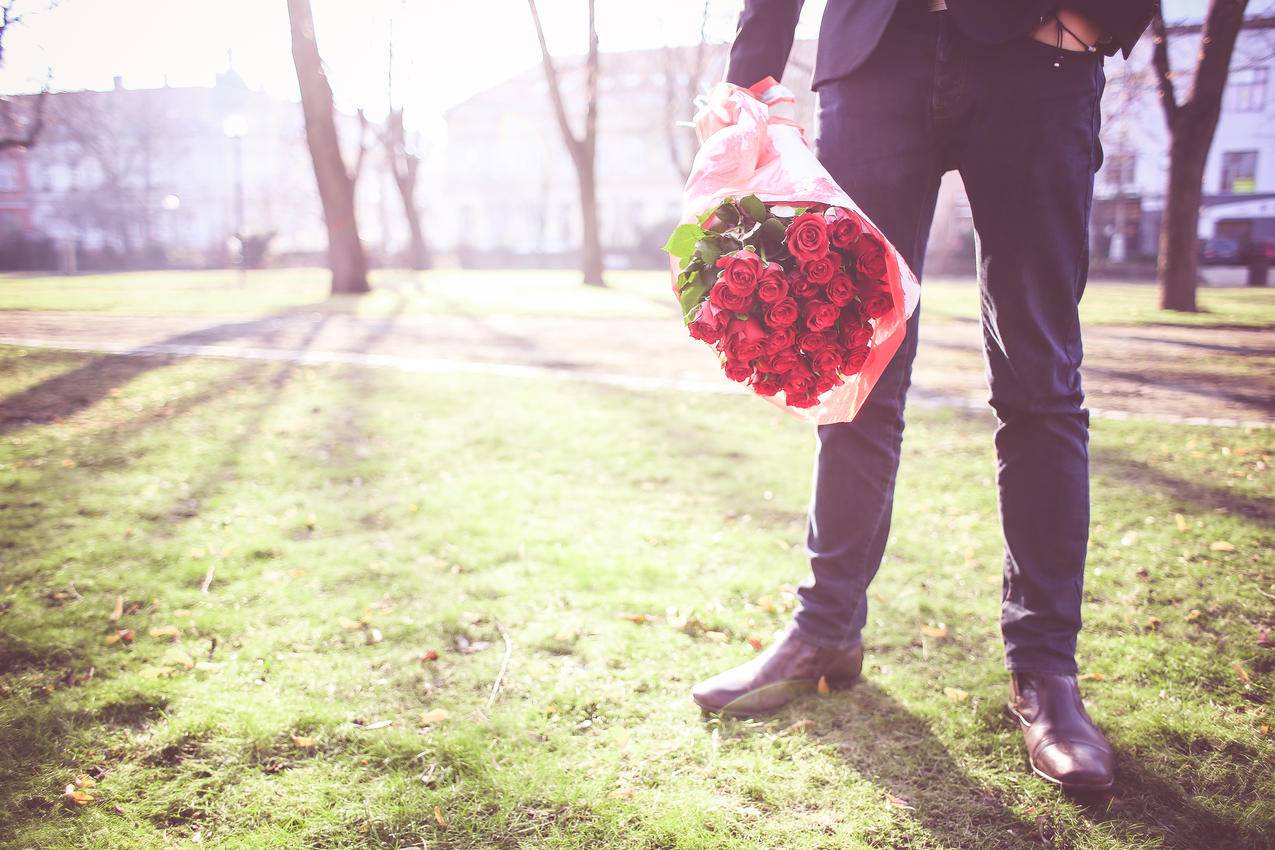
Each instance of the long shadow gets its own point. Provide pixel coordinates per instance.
(1239, 351)
(80, 388)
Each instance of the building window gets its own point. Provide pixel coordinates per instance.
(1239, 172)
(1246, 90)
(1119, 168)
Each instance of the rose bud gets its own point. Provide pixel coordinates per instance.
(740, 271)
(814, 341)
(819, 270)
(807, 236)
(826, 361)
(772, 287)
(779, 340)
(767, 386)
(878, 304)
(737, 370)
(785, 361)
(782, 313)
(840, 290)
(725, 298)
(820, 315)
(855, 358)
(844, 228)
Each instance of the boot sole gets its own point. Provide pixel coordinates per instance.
(794, 688)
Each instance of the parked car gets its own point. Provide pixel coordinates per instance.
(1219, 251)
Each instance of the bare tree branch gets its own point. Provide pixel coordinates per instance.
(1160, 60)
(555, 89)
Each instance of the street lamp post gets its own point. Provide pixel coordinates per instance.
(235, 128)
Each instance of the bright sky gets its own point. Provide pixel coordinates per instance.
(445, 50)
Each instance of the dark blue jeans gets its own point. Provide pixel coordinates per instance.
(1020, 123)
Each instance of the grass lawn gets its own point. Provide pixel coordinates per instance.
(369, 540)
(554, 293)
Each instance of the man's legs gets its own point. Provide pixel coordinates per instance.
(876, 139)
(1028, 160)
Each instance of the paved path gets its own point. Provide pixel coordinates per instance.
(1163, 373)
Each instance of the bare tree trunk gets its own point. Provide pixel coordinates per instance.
(336, 188)
(1191, 128)
(404, 166)
(581, 148)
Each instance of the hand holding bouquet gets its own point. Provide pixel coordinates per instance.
(776, 268)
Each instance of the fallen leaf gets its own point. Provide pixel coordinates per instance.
(429, 655)
(715, 636)
(897, 802)
(823, 685)
(1193, 615)
(621, 793)
(434, 716)
(438, 816)
(1181, 521)
(379, 724)
(956, 694)
(118, 610)
(303, 741)
(939, 631)
(1091, 677)
(166, 631)
(84, 781)
(637, 618)
(1241, 671)
(797, 726)
(755, 643)
(78, 798)
(1222, 546)
(120, 636)
(1153, 623)
(353, 625)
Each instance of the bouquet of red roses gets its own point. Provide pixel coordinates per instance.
(775, 267)
(786, 295)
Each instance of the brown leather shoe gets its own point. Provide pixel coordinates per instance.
(785, 670)
(1063, 744)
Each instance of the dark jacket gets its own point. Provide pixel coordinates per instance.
(851, 28)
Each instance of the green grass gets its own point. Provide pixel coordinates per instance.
(353, 521)
(632, 294)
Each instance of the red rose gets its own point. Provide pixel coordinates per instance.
(840, 290)
(725, 298)
(814, 341)
(807, 236)
(705, 326)
(856, 336)
(779, 340)
(799, 382)
(784, 361)
(819, 315)
(844, 228)
(827, 361)
(800, 400)
(878, 303)
(819, 270)
(823, 383)
(854, 360)
(767, 386)
(782, 313)
(799, 287)
(772, 287)
(737, 370)
(871, 262)
(740, 271)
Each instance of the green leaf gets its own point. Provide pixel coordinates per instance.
(771, 234)
(708, 249)
(681, 243)
(690, 298)
(754, 208)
